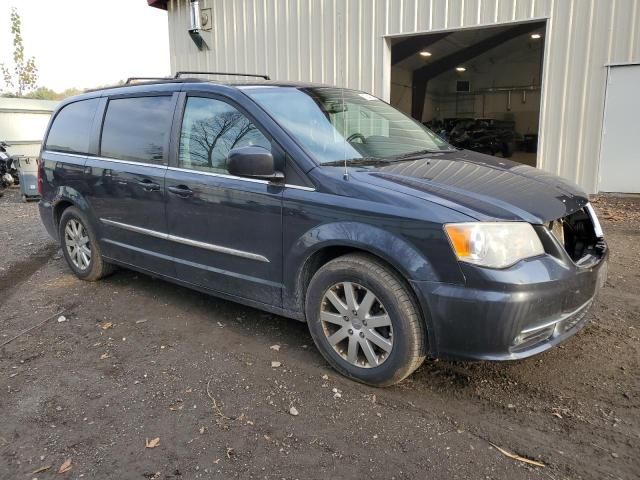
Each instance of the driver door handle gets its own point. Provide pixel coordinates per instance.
(181, 190)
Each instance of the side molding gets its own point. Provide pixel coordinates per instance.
(186, 241)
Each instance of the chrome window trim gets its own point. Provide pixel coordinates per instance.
(53, 152)
(177, 169)
(187, 241)
(221, 175)
(235, 177)
(106, 159)
(300, 187)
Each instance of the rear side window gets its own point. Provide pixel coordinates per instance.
(71, 129)
(136, 129)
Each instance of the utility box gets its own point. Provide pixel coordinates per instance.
(28, 174)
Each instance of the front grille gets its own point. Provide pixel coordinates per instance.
(575, 320)
(576, 233)
(537, 335)
(529, 339)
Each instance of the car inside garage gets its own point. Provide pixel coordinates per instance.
(478, 88)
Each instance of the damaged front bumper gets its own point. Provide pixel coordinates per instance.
(512, 313)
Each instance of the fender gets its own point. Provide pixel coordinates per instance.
(66, 195)
(70, 169)
(396, 251)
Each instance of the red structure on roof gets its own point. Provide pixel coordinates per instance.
(158, 3)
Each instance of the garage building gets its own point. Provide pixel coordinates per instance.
(551, 83)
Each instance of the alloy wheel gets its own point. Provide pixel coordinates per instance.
(356, 324)
(77, 243)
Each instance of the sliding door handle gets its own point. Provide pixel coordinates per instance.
(181, 191)
(149, 186)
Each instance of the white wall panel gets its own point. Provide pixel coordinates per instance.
(344, 42)
(620, 169)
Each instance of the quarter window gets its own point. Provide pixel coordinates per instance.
(136, 129)
(71, 128)
(210, 129)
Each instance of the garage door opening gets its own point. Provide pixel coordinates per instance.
(477, 88)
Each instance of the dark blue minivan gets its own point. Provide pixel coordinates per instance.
(327, 206)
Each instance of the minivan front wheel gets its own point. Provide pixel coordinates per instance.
(80, 247)
(364, 321)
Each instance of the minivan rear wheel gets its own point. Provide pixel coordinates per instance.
(364, 320)
(80, 246)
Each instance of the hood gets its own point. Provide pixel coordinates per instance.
(482, 186)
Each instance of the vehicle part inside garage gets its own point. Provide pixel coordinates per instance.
(477, 88)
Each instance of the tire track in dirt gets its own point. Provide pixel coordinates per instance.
(20, 271)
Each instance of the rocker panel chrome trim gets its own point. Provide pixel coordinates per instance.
(187, 241)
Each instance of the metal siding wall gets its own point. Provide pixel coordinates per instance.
(343, 42)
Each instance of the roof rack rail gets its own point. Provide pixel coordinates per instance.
(131, 80)
(256, 75)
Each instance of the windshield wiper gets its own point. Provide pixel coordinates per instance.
(355, 161)
(420, 153)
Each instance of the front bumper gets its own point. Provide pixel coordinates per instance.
(513, 313)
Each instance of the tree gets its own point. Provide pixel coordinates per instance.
(44, 93)
(25, 72)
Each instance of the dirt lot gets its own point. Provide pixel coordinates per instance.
(139, 359)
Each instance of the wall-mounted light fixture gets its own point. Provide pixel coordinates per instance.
(195, 25)
(536, 36)
(424, 53)
(461, 69)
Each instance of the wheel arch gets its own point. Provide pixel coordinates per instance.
(59, 208)
(328, 242)
(67, 197)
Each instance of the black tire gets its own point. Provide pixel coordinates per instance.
(97, 267)
(409, 334)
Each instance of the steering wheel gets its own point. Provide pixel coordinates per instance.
(356, 135)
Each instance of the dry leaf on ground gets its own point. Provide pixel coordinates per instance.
(152, 443)
(104, 356)
(66, 466)
(106, 325)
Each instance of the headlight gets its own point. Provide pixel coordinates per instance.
(493, 244)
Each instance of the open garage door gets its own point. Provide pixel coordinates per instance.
(478, 88)
(619, 158)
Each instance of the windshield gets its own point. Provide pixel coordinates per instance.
(335, 125)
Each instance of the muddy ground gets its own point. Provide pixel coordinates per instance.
(139, 359)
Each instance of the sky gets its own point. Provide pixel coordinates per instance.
(88, 43)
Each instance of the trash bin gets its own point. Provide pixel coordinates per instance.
(28, 174)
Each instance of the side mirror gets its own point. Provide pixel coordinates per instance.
(252, 162)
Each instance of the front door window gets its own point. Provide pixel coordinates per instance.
(210, 129)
